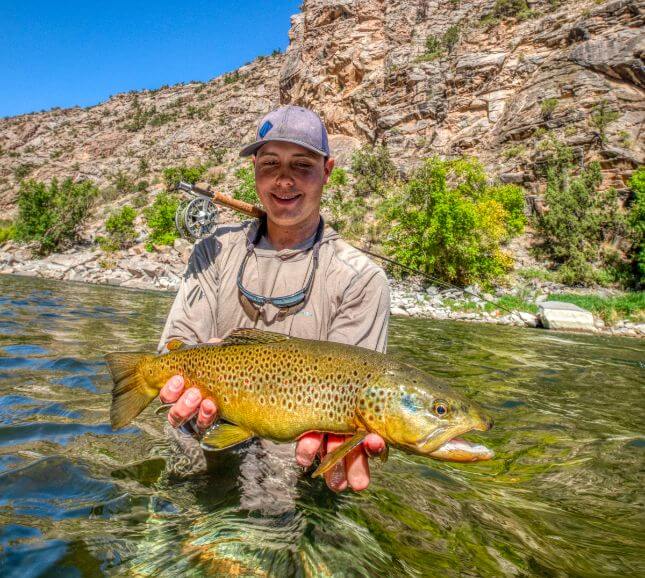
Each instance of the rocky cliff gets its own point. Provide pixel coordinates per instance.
(489, 78)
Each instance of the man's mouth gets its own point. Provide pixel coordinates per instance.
(285, 198)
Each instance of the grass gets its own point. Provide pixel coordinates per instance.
(610, 309)
(504, 304)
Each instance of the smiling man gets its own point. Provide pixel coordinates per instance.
(289, 274)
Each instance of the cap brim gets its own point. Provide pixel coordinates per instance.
(251, 149)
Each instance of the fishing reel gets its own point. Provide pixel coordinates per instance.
(197, 216)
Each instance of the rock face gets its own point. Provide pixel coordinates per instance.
(565, 317)
(361, 64)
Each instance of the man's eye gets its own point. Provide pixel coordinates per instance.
(303, 166)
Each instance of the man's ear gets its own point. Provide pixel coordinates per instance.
(328, 168)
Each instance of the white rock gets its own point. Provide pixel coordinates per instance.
(399, 311)
(529, 319)
(565, 316)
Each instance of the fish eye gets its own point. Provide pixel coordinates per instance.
(440, 408)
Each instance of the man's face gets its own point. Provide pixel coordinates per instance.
(289, 180)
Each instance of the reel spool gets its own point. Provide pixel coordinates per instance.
(196, 218)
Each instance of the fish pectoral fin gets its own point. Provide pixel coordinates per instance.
(384, 454)
(252, 336)
(225, 435)
(163, 408)
(331, 459)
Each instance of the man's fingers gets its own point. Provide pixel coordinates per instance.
(307, 448)
(374, 444)
(336, 478)
(185, 408)
(171, 391)
(358, 470)
(207, 414)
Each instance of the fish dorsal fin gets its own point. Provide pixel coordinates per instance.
(175, 344)
(252, 337)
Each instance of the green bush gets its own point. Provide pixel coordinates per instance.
(580, 220)
(121, 233)
(547, 107)
(23, 170)
(636, 221)
(518, 9)
(601, 117)
(172, 175)
(245, 188)
(449, 223)
(160, 219)
(51, 215)
(450, 39)
(344, 213)
(7, 231)
(338, 178)
(373, 171)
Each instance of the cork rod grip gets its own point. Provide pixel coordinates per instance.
(222, 199)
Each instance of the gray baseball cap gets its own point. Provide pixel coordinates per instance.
(293, 124)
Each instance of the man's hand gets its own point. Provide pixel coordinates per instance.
(188, 403)
(353, 471)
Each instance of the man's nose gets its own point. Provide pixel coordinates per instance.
(284, 177)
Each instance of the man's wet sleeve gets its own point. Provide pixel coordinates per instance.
(362, 317)
(191, 318)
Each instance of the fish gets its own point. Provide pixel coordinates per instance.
(278, 387)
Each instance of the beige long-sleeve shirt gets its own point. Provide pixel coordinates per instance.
(349, 301)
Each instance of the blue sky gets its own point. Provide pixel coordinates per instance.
(70, 53)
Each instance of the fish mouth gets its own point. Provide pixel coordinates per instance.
(461, 450)
(448, 447)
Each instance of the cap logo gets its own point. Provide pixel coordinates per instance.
(265, 128)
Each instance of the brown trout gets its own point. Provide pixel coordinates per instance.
(278, 387)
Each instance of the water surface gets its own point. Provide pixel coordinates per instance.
(562, 498)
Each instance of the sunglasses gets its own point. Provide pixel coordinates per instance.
(285, 301)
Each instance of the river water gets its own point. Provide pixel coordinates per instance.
(562, 498)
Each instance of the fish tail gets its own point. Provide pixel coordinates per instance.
(130, 394)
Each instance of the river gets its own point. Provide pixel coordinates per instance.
(563, 497)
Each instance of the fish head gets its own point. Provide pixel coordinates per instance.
(418, 413)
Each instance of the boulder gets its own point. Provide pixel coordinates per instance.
(565, 317)
(399, 311)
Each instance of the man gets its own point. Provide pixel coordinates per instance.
(287, 274)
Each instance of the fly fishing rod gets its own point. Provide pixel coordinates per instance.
(199, 217)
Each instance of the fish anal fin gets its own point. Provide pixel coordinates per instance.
(251, 337)
(225, 435)
(332, 458)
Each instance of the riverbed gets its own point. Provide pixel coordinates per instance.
(562, 497)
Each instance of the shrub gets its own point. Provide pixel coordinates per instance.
(580, 219)
(51, 215)
(122, 182)
(449, 223)
(232, 77)
(7, 231)
(172, 175)
(160, 219)
(121, 233)
(373, 171)
(518, 9)
(547, 107)
(23, 170)
(433, 49)
(450, 39)
(245, 189)
(345, 214)
(636, 221)
(601, 117)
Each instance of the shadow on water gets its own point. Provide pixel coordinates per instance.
(563, 496)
